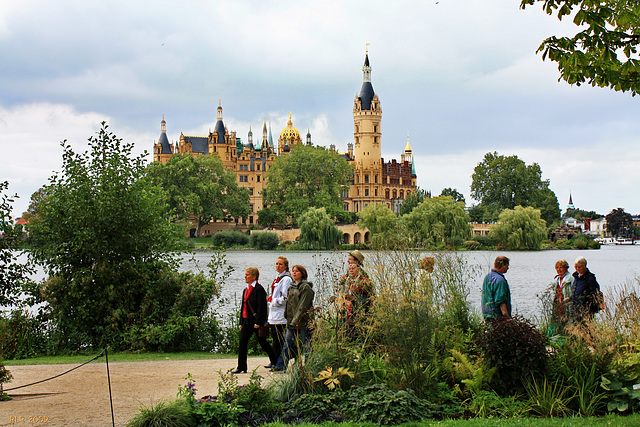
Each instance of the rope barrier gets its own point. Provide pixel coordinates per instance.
(59, 375)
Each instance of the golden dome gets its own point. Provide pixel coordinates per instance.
(290, 133)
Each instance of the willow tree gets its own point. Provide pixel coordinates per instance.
(438, 220)
(520, 229)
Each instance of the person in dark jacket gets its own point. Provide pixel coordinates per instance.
(253, 314)
(585, 292)
(298, 312)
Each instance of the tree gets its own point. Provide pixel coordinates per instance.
(580, 214)
(200, 187)
(619, 223)
(34, 203)
(438, 220)
(307, 177)
(378, 218)
(108, 247)
(318, 230)
(501, 182)
(12, 273)
(454, 194)
(604, 53)
(413, 200)
(520, 228)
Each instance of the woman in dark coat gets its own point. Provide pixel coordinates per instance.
(253, 314)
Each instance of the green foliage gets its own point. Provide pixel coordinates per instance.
(413, 200)
(318, 230)
(489, 404)
(264, 240)
(548, 399)
(230, 238)
(12, 273)
(438, 221)
(109, 250)
(217, 414)
(520, 228)
(518, 351)
(177, 413)
(378, 218)
(501, 182)
(621, 381)
(200, 187)
(604, 52)
(307, 177)
(619, 223)
(22, 335)
(453, 193)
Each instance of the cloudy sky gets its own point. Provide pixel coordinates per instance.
(460, 77)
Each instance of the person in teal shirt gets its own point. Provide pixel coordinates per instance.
(496, 295)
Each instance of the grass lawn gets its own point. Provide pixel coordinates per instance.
(119, 357)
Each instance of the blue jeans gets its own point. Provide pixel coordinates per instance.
(295, 339)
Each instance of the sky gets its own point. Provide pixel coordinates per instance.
(459, 78)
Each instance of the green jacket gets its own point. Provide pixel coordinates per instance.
(299, 305)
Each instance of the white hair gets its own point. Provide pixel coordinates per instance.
(581, 260)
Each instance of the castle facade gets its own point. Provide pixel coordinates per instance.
(374, 180)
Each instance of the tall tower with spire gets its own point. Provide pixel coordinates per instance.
(367, 140)
(367, 117)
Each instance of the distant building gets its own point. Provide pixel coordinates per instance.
(374, 180)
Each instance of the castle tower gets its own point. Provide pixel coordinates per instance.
(162, 150)
(288, 137)
(367, 138)
(219, 131)
(407, 156)
(367, 116)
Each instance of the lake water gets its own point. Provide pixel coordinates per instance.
(530, 273)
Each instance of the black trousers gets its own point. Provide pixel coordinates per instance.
(246, 333)
(278, 333)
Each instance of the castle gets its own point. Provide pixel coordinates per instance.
(374, 181)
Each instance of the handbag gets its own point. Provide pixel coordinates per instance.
(263, 330)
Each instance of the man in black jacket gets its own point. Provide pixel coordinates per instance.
(253, 314)
(584, 302)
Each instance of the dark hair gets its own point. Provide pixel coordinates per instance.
(500, 262)
(302, 271)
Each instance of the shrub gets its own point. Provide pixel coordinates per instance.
(264, 240)
(472, 245)
(517, 350)
(177, 413)
(229, 238)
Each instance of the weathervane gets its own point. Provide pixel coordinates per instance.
(367, 48)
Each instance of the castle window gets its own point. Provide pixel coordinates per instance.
(386, 193)
(402, 194)
(258, 178)
(366, 191)
(376, 190)
(395, 194)
(251, 190)
(257, 167)
(366, 179)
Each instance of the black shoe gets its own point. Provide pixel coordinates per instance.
(269, 366)
(276, 369)
(239, 371)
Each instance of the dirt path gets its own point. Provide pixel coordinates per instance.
(81, 397)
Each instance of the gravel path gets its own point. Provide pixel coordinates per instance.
(81, 397)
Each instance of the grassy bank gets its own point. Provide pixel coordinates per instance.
(119, 357)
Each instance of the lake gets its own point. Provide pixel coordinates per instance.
(530, 273)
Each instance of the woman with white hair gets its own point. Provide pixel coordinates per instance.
(563, 293)
(585, 294)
